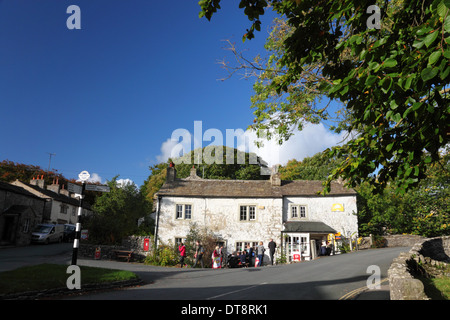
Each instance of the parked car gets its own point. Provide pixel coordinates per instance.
(69, 232)
(46, 233)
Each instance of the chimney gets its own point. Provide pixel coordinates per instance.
(171, 173)
(54, 187)
(64, 191)
(38, 182)
(193, 174)
(275, 177)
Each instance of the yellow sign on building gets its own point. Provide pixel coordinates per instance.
(337, 207)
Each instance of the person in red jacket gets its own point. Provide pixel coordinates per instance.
(182, 249)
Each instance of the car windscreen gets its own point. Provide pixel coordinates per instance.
(42, 229)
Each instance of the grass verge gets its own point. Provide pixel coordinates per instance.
(52, 276)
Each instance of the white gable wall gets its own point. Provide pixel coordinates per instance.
(320, 209)
(222, 216)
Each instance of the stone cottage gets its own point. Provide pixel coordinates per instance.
(20, 211)
(61, 205)
(242, 212)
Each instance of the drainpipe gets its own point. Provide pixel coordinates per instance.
(157, 222)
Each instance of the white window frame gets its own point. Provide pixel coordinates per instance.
(250, 213)
(298, 211)
(183, 214)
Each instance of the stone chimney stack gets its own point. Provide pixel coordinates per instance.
(64, 191)
(171, 173)
(54, 187)
(38, 182)
(275, 177)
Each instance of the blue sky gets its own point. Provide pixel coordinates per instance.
(107, 98)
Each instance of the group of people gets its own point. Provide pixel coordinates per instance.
(245, 256)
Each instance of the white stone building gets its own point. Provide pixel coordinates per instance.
(292, 213)
(61, 206)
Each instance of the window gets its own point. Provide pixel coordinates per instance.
(247, 213)
(294, 213)
(26, 226)
(302, 211)
(183, 211)
(243, 213)
(252, 213)
(298, 211)
(241, 245)
(187, 211)
(64, 208)
(179, 211)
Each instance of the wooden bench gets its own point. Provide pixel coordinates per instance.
(127, 254)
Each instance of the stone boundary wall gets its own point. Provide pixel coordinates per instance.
(402, 240)
(135, 243)
(427, 252)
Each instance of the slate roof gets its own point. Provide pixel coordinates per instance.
(12, 188)
(248, 188)
(308, 227)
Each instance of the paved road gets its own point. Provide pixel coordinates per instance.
(16, 257)
(325, 278)
(334, 277)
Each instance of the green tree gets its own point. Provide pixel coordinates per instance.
(116, 213)
(393, 81)
(317, 167)
(244, 169)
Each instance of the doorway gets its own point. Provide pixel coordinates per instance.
(297, 247)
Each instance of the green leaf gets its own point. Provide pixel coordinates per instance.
(393, 104)
(447, 24)
(434, 57)
(447, 53)
(429, 39)
(408, 82)
(389, 146)
(429, 73)
(418, 43)
(441, 9)
(370, 80)
(397, 117)
(389, 63)
(444, 74)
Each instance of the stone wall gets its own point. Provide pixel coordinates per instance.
(402, 240)
(425, 255)
(135, 243)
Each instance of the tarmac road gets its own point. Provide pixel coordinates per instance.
(328, 278)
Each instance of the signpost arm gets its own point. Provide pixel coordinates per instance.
(76, 241)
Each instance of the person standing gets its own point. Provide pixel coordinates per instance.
(272, 246)
(249, 254)
(216, 258)
(182, 250)
(260, 253)
(199, 251)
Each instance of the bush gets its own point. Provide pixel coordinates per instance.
(165, 255)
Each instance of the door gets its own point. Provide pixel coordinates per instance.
(297, 246)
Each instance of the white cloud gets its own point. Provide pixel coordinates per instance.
(124, 182)
(312, 139)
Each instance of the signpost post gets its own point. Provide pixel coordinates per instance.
(84, 176)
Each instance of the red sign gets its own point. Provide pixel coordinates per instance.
(146, 244)
(296, 257)
(97, 253)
